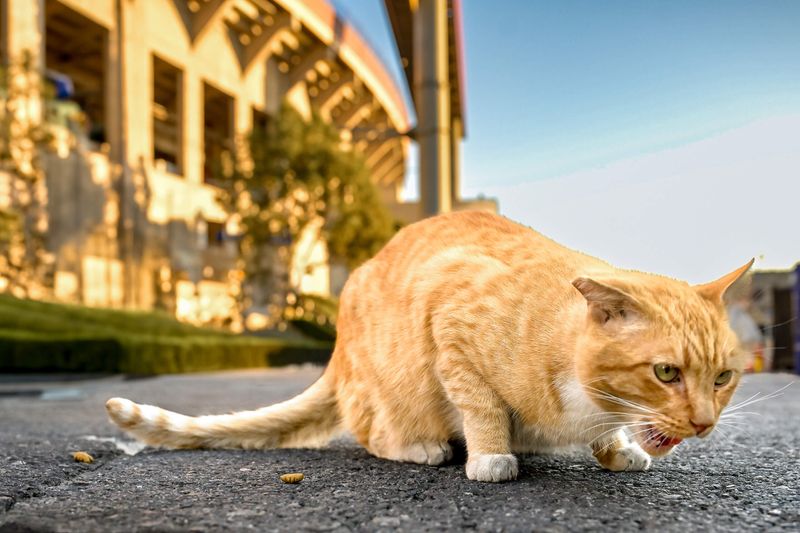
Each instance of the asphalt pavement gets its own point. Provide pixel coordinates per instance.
(742, 478)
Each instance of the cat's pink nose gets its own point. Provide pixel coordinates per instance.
(699, 428)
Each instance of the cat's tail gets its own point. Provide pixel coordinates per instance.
(307, 420)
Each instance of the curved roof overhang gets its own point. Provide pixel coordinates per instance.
(321, 19)
(401, 16)
(345, 79)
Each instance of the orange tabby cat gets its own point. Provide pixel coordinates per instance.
(469, 326)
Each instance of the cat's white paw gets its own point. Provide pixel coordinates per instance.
(631, 458)
(425, 453)
(492, 467)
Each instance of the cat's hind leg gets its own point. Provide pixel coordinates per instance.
(424, 453)
(619, 454)
(391, 439)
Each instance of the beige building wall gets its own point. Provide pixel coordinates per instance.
(128, 229)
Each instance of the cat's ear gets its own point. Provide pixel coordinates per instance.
(715, 290)
(606, 302)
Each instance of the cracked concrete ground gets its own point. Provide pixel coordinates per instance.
(745, 479)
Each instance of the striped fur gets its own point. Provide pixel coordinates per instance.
(468, 326)
(307, 420)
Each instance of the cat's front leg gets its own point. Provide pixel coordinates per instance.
(619, 454)
(485, 421)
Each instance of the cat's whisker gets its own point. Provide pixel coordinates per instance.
(608, 414)
(756, 395)
(639, 432)
(785, 322)
(613, 430)
(603, 413)
(610, 441)
(714, 442)
(743, 431)
(621, 401)
(604, 434)
(610, 423)
(740, 414)
(728, 433)
(595, 380)
(735, 425)
(645, 442)
(738, 426)
(732, 421)
(755, 398)
(626, 401)
(596, 393)
(729, 440)
(617, 425)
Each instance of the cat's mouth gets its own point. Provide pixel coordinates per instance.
(656, 443)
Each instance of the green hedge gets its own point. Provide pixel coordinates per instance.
(323, 307)
(24, 352)
(48, 317)
(45, 337)
(157, 355)
(319, 332)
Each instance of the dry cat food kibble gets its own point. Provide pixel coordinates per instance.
(292, 478)
(82, 457)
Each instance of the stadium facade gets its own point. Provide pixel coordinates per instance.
(151, 93)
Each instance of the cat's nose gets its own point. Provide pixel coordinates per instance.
(699, 428)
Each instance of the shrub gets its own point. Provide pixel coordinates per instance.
(45, 337)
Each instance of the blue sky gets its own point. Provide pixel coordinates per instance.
(584, 83)
(562, 88)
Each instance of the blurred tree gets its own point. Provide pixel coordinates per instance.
(362, 226)
(290, 177)
(26, 267)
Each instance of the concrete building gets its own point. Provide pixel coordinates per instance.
(429, 36)
(153, 92)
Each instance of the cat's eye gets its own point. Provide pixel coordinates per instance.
(723, 378)
(666, 373)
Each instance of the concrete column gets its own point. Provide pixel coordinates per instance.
(243, 115)
(135, 85)
(128, 71)
(432, 90)
(297, 97)
(23, 29)
(456, 133)
(3, 31)
(115, 133)
(275, 86)
(192, 126)
(23, 33)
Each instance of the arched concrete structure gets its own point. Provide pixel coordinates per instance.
(171, 83)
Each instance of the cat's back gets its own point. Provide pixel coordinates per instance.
(464, 266)
(470, 236)
(450, 252)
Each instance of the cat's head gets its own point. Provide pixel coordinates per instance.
(660, 353)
